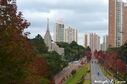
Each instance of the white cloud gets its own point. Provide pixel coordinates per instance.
(85, 15)
(125, 0)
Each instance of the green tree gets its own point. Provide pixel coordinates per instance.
(88, 49)
(122, 51)
(73, 51)
(56, 64)
(11, 44)
(39, 45)
(55, 61)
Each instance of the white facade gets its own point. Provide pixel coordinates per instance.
(119, 22)
(47, 37)
(93, 41)
(55, 47)
(52, 46)
(98, 43)
(70, 35)
(86, 40)
(59, 32)
(105, 43)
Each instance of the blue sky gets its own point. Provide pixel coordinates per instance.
(84, 15)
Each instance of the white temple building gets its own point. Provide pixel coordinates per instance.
(52, 46)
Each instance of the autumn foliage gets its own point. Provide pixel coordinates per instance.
(111, 61)
(88, 54)
(19, 64)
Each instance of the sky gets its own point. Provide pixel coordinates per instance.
(85, 15)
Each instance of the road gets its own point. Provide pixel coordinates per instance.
(97, 77)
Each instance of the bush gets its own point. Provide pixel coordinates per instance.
(73, 72)
(44, 81)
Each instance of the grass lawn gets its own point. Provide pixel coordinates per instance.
(87, 79)
(78, 75)
(86, 82)
(108, 74)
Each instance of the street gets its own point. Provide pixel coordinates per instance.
(97, 77)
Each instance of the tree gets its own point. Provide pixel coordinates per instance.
(54, 60)
(38, 44)
(73, 51)
(16, 53)
(122, 51)
(38, 71)
(121, 67)
(56, 64)
(10, 18)
(73, 44)
(88, 49)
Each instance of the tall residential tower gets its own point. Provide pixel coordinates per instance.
(92, 40)
(117, 23)
(59, 32)
(124, 32)
(85, 40)
(70, 35)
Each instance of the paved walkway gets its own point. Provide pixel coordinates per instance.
(66, 73)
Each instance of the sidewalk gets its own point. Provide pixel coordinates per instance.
(65, 73)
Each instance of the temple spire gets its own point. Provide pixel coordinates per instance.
(47, 24)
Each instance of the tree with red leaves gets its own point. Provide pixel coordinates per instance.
(18, 63)
(121, 67)
(88, 55)
(114, 63)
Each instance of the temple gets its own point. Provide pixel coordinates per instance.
(52, 46)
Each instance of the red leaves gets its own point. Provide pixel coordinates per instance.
(118, 66)
(16, 50)
(121, 67)
(40, 66)
(88, 55)
(38, 69)
(100, 55)
(3, 2)
(111, 61)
